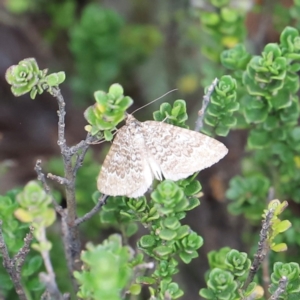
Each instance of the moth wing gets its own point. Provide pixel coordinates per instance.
(180, 152)
(125, 171)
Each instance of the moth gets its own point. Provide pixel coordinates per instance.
(142, 151)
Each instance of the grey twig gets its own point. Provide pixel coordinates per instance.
(42, 178)
(48, 278)
(59, 179)
(281, 288)
(52, 291)
(13, 266)
(69, 221)
(83, 147)
(19, 258)
(69, 249)
(265, 263)
(82, 144)
(71, 216)
(61, 119)
(74, 149)
(263, 247)
(94, 210)
(206, 100)
(47, 296)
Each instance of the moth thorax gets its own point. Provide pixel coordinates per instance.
(130, 119)
(134, 127)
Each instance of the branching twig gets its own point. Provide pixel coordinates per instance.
(58, 179)
(281, 288)
(52, 291)
(83, 146)
(19, 258)
(13, 266)
(73, 241)
(94, 210)
(42, 178)
(69, 219)
(47, 296)
(265, 263)
(263, 248)
(206, 99)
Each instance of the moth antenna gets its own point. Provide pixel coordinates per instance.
(102, 140)
(169, 92)
(165, 119)
(97, 142)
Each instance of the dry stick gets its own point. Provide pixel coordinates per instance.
(266, 273)
(47, 296)
(58, 179)
(72, 245)
(42, 178)
(49, 278)
(69, 219)
(95, 209)
(13, 266)
(66, 237)
(206, 99)
(265, 263)
(263, 247)
(83, 146)
(281, 288)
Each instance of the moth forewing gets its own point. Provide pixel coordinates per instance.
(144, 150)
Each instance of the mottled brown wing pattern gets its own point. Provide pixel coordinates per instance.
(180, 152)
(125, 171)
(141, 151)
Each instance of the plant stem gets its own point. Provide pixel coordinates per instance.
(206, 100)
(14, 265)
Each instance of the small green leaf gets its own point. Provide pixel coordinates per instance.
(222, 130)
(193, 202)
(52, 79)
(251, 288)
(259, 139)
(183, 231)
(171, 223)
(187, 257)
(116, 90)
(55, 79)
(256, 114)
(147, 241)
(32, 266)
(6, 282)
(145, 280)
(135, 289)
(167, 234)
(108, 135)
(131, 229)
(281, 247)
(282, 226)
(163, 250)
(281, 100)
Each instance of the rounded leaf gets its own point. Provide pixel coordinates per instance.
(116, 90)
(147, 241)
(167, 234)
